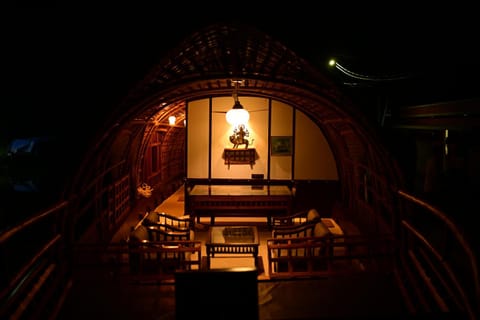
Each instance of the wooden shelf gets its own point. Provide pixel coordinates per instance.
(239, 156)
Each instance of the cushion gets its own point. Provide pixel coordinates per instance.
(151, 218)
(312, 215)
(320, 230)
(139, 234)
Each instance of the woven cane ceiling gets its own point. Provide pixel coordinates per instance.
(206, 63)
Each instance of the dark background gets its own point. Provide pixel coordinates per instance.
(66, 66)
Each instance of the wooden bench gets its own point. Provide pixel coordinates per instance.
(239, 201)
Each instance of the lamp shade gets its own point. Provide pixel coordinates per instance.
(237, 115)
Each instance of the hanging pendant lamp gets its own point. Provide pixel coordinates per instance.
(237, 115)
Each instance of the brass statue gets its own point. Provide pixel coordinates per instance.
(238, 136)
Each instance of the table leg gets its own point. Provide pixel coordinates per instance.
(269, 221)
(208, 258)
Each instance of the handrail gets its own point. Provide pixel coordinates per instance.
(455, 231)
(23, 272)
(31, 221)
(35, 273)
(413, 233)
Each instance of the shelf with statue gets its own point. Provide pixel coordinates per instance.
(236, 155)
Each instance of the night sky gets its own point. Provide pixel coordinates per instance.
(61, 64)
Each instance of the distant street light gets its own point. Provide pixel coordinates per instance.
(358, 76)
(376, 81)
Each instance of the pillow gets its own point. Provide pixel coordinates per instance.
(312, 215)
(320, 230)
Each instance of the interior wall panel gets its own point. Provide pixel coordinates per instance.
(313, 157)
(198, 138)
(281, 126)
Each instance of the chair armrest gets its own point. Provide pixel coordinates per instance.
(294, 231)
(289, 219)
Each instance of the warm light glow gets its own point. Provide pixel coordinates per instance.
(237, 115)
(171, 120)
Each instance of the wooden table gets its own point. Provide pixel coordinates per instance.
(239, 200)
(232, 240)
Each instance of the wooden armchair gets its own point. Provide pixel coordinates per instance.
(162, 252)
(297, 257)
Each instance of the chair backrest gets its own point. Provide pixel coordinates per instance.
(303, 230)
(164, 220)
(177, 222)
(164, 234)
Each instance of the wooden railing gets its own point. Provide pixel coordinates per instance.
(36, 255)
(35, 272)
(437, 268)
